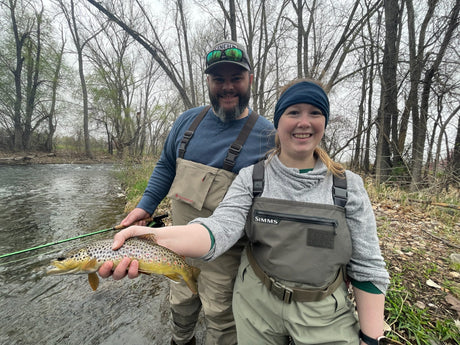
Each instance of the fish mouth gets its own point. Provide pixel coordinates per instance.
(58, 268)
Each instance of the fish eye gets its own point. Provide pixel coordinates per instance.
(61, 258)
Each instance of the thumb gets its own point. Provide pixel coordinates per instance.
(132, 231)
(119, 239)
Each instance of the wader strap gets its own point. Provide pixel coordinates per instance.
(339, 190)
(236, 147)
(339, 184)
(189, 133)
(287, 294)
(258, 178)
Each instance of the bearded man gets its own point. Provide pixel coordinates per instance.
(205, 149)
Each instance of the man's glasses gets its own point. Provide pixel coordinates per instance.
(231, 54)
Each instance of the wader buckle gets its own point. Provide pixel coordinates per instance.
(281, 291)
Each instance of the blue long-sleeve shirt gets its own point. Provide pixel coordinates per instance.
(209, 145)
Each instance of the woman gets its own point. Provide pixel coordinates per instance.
(291, 279)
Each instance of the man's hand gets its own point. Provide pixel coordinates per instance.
(136, 216)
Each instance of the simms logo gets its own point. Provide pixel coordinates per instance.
(266, 220)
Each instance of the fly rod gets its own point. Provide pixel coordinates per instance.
(154, 222)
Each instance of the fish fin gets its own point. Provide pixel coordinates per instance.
(89, 265)
(172, 281)
(93, 280)
(195, 272)
(148, 238)
(144, 272)
(173, 276)
(192, 281)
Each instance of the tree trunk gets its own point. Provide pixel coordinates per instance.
(389, 96)
(52, 111)
(455, 161)
(419, 140)
(187, 52)
(17, 72)
(72, 22)
(33, 70)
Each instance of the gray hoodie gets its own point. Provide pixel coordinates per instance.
(228, 220)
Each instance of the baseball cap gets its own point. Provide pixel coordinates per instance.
(227, 52)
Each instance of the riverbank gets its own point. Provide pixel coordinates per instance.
(13, 158)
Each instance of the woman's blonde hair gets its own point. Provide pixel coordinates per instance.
(334, 167)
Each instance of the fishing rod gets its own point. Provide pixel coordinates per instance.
(153, 222)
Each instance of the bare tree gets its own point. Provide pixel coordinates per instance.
(51, 113)
(230, 17)
(160, 55)
(79, 42)
(114, 83)
(455, 160)
(420, 124)
(20, 39)
(389, 97)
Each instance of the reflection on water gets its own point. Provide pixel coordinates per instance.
(47, 203)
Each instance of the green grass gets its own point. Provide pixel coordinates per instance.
(134, 177)
(413, 325)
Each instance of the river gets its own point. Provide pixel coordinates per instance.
(42, 204)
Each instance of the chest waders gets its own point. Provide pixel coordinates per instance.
(197, 188)
(196, 191)
(296, 243)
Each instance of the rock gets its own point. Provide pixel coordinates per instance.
(454, 274)
(420, 305)
(455, 258)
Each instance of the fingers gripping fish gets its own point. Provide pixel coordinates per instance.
(152, 258)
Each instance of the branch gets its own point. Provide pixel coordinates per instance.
(147, 45)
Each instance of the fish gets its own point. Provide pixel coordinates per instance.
(153, 259)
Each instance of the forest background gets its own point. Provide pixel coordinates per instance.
(113, 76)
(110, 78)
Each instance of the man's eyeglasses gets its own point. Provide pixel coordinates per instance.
(231, 54)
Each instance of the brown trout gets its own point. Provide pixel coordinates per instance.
(152, 258)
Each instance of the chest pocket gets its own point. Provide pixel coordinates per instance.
(198, 185)
(201, 186)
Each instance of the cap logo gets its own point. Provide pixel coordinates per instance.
(224, 46)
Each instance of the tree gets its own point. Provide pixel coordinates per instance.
(455, 161)
(160, 56)
(389, 97)
(230, 17)
(114, 85)
(27, 67)
(51, 112)
(420, 124)
(20, 39)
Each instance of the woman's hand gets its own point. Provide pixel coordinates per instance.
(126, 266)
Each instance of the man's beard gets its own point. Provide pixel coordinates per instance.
(231, 114)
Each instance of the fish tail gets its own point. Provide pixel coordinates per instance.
(195, 272)
(192, 281)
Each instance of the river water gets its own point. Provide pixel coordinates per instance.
(42, 204)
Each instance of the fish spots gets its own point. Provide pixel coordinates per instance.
(152, 258)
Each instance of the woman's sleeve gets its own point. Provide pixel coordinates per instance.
(367, 263)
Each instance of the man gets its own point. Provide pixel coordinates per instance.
(198, 163)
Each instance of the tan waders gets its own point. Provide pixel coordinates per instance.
(203, 187)
(196, 191)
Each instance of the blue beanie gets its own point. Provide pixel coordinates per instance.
(303, 92)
